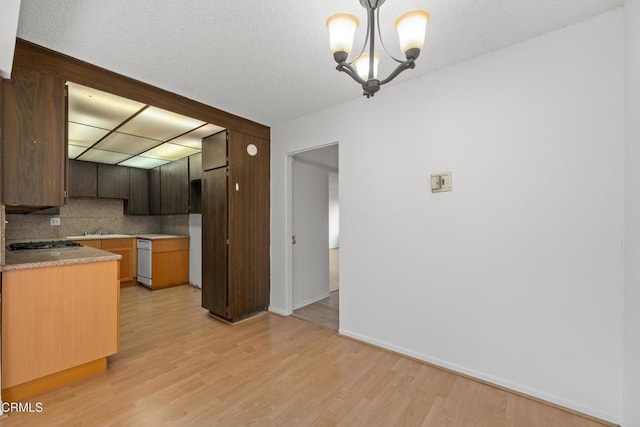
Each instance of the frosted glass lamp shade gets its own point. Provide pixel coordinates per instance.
(362, 65)
(411, 28)
(342, 30)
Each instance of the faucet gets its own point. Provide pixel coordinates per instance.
(96, 231)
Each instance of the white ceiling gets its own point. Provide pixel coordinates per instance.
(269, 61)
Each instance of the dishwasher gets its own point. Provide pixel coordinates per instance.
(144, 262)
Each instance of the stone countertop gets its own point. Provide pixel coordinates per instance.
(150, 236)
(161, 236)
(100, 237)
(38, 258)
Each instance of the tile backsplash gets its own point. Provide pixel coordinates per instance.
(90, 215)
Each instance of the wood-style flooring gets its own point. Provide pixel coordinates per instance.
(178, 366)
(325, 313)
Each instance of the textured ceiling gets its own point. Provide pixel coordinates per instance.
(269, 61)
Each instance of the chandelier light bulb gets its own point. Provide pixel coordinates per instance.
(362, 65)
(412, 27)
(342, 30)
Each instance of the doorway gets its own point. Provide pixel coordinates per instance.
(315, 235)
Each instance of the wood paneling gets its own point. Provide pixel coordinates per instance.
(248, 225)
(214, 241)
(214, 151)
(113, 181)
(174, 187)
(34, 145)
(56, 318)
(83, 179)
(70, 69)
(155, 188)
(138, 203)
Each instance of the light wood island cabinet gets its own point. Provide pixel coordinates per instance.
(59, 323)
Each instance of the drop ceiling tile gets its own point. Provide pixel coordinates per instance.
(143, 162)
(85, 136)
(125, 143)
(194, 139)
(99, 109)
(75, 150)
(101, 156)
(168, 151)
(159, 124)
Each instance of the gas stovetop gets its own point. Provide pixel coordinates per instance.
(52, 244)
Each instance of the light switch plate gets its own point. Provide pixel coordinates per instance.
(55, 221)
(441, 182)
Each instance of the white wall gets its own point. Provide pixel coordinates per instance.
(9, 13)
(195, 250)
(516, 276)
(632, 218)
(334, 211)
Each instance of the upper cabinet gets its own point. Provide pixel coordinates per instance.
(83, 179)
(174, 187)
(138, 203)
(34, 153)
(214, 151)
(113, 181)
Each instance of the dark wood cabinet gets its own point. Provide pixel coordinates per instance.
(235, 230)
(214, 151)
(154, 191)
(138, 203)
(195, 183)
(195, 167)
(113, 181)
(34, 149)
(83, 179)
(174, 187)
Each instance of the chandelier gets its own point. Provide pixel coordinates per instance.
(411, 27)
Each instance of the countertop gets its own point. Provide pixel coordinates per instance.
(126, 236)
(38, 258)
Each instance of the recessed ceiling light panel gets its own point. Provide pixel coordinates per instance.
(143, 162)
(125, 143)
(101, 156)
(194, 139)
(168, 151)
(95, 108)
(159, 124)
(85, 136)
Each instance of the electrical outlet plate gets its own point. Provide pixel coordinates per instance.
(55, 221)
(441, 182)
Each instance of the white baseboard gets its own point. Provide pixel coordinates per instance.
(486, 378)
(310, 301)
(279, 311)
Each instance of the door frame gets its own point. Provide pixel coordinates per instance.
(289, 221)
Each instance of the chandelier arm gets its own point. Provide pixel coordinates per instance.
(406, 65)
(382, 41)
(348, 69)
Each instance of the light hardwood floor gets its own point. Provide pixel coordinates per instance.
(179, 366)
(325, 312)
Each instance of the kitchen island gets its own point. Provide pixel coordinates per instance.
(60, 317)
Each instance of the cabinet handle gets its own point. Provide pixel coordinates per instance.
(293, 239)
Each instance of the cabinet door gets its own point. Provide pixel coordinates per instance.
(174, 187)
(34, 144)
(154, 191)
(214, 151)
(83, 179)
(248, 224)
(138, 203)
(214, 241)
(127, 249)
(113, 181)
(195, 167)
